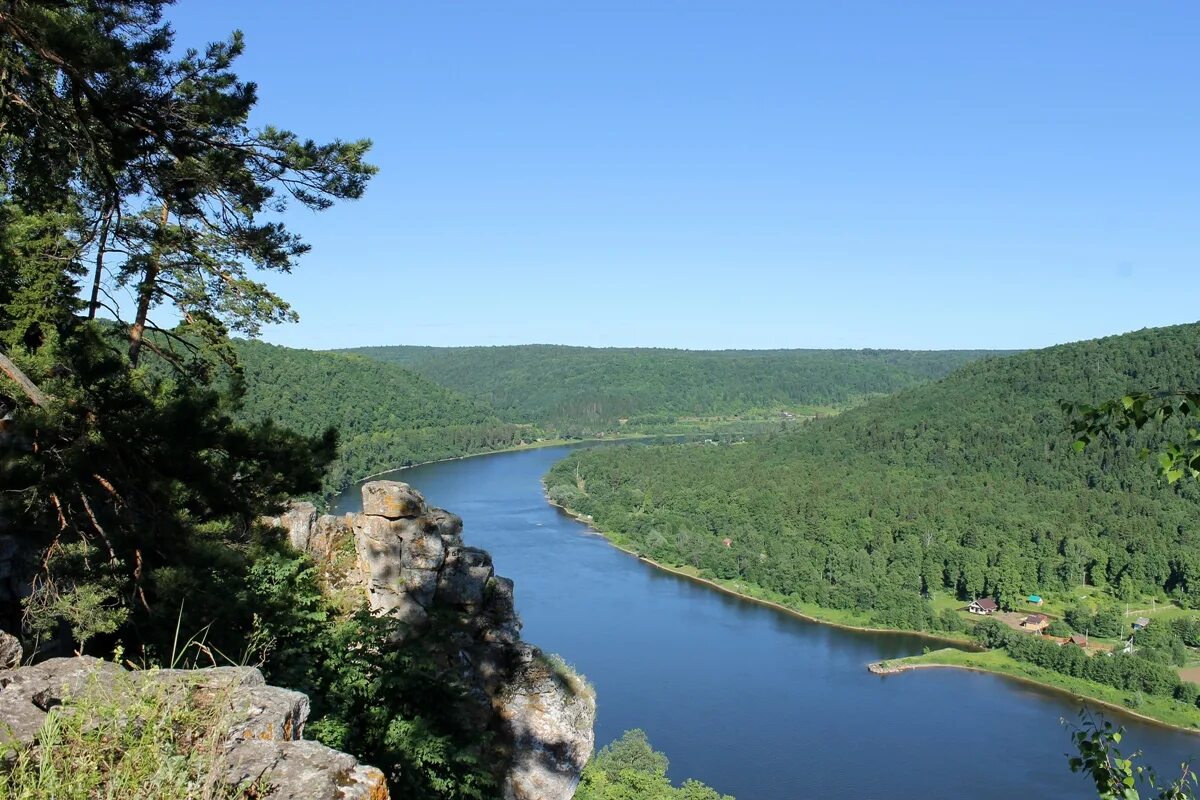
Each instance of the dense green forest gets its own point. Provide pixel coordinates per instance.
(968, 485)
(584, 390)
(385, 416)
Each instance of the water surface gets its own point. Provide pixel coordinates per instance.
(755, 702)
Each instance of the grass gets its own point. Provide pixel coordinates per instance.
(1166, 710)
(124, 739)
(576, 682)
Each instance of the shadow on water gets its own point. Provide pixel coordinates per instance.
(753, 701)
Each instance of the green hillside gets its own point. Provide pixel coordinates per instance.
(579, 390)
(386, 416)
(967, 485)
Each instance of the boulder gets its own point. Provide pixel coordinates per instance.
(422, 550)
(391, 499)
(298, 521)
(400, 607)
(267, 712)
(263, 733)
(448, 526)
(11, 652)
(419, 584)
(380, 548)
(327, 535)
(302, 771)
(499, 601)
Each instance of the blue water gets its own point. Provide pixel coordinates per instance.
(752, 701)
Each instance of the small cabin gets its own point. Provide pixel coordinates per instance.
(1141, 623)
(984, 606)
(1036, 599)
(1035, 622)
(1079, 639)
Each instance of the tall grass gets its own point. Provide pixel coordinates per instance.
(124, 739)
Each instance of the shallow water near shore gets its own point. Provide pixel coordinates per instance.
(752, 701)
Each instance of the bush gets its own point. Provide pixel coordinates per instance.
(1058, 628)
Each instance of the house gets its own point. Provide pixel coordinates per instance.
(1079, 639)
(984, 605)
(1141, 623)
(1035, 622)
(1036, 599)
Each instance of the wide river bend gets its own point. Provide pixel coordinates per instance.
(748, 699)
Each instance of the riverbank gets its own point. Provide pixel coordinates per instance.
(837, 618)
(1164, 711)
(539, 445)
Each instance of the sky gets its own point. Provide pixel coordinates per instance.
(740, 174)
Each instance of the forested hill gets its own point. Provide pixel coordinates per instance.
(967, 485)
(386, 416)
(583, 389)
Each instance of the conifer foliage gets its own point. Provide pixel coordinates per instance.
(129, 169)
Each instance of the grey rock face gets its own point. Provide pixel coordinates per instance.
(413, 563)
(391, 499)
(466, 572)
(448, 525)
(298, 521)
(11, 652)
(263, 734)
(422, 549)
(549, 714)
(303, 771)
(380, 549)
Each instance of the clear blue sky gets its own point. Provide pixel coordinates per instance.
(738, 174)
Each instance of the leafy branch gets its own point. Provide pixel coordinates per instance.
(1177, 459)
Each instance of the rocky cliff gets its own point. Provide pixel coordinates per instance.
(412, 564)
(258, 728)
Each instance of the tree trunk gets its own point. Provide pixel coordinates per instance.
(94, 305)
(30, 388)
(137, 331)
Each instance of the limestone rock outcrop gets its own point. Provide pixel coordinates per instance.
(412, 564)
(261, 725)
(11, 652)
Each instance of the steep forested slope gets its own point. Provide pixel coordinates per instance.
(968, 483)
(386, 416)
(582, 389)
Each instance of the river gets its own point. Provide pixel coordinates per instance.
(752, 701)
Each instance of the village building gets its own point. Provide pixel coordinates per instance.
(984, 605)
(1035, 622)
(1079, 639)
(1141, 623)
(1036, 599)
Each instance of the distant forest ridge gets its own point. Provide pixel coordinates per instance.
(966, 486)
(386, 416)
(584, 390)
